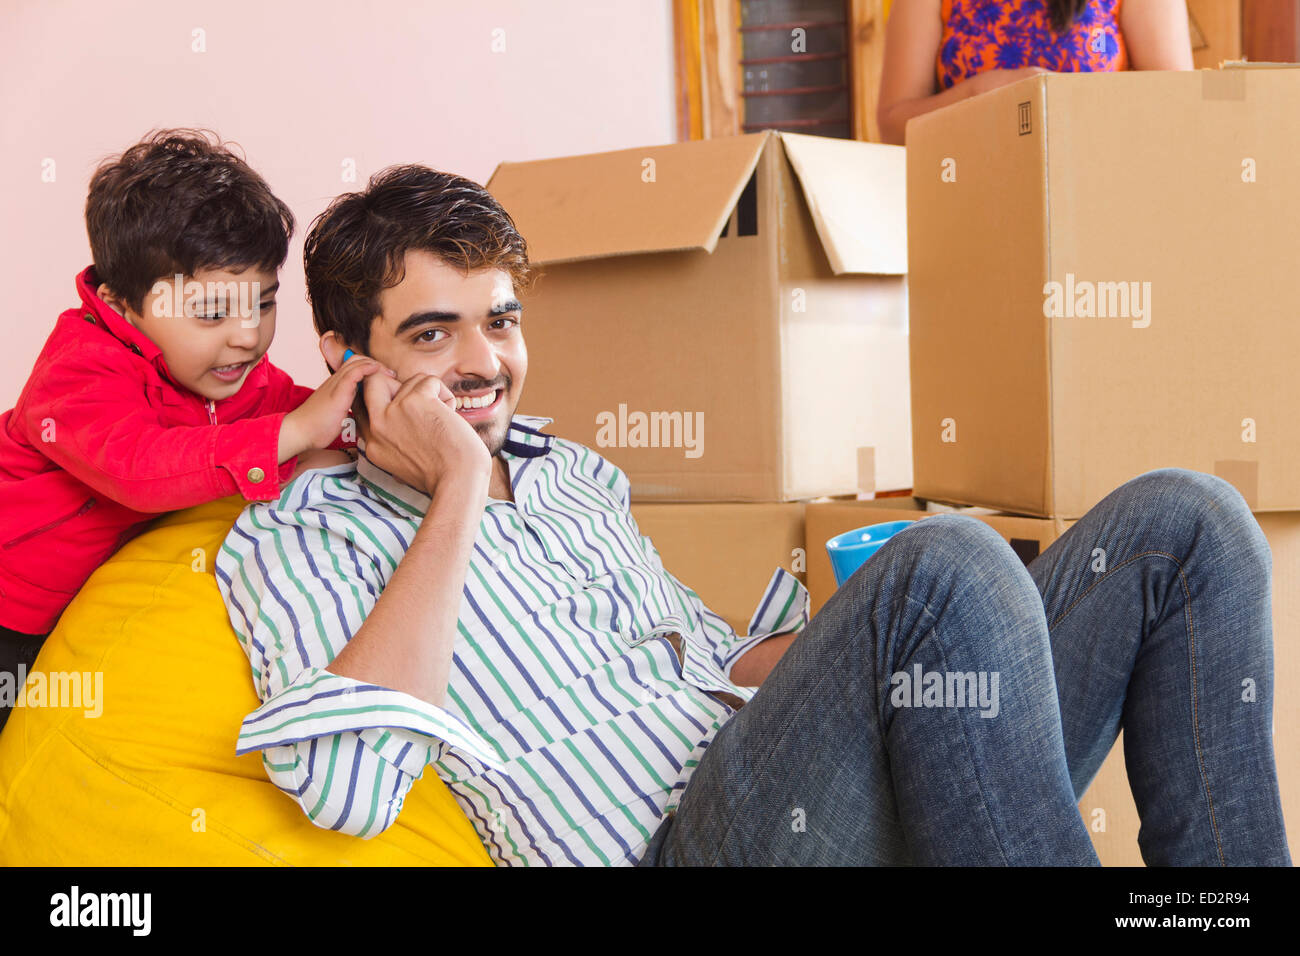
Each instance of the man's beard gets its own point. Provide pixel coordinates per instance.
(495, 442)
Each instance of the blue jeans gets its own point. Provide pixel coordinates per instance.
(1152, 614)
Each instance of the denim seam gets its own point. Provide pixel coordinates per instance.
(965, 739)
(1191, 635)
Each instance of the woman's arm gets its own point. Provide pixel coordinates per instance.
(1155, 32)
(907, 79)
(912, 37)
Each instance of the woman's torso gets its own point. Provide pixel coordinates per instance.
(983, 35)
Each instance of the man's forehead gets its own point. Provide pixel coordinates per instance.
(503, 292)
(431, 285)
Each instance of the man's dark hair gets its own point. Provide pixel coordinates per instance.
(180, 201)
(357, 247)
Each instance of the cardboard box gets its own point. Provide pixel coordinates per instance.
(723, 319)
(1029, 537)
(1107, 807)
(1101, 273)
(726, 553)
(1283, 533)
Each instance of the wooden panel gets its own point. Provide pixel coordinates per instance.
(1270, 30)
(708, 68)
(866, 38)
(686, 48)
(1215, 28)
(720, 68)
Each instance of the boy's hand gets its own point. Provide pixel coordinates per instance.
(317, 421)
(415, 434)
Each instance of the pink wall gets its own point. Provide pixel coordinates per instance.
(303, 86)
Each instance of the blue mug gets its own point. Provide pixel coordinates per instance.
(850, 550)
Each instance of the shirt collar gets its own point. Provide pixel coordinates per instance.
(524, 440)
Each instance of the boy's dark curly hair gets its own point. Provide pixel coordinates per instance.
(180, 201)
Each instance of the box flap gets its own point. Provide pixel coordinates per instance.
(857, 193)
(607, 204)
(1252, 65)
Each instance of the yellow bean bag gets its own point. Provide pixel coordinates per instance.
(154, 779)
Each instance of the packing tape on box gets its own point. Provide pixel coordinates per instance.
(1242, 475)
(867, 470)
(1223, 84)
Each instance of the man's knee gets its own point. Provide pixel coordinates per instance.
(1210, 508)
(957, 549)
(946, 564)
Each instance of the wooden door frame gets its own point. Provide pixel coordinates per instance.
(708, 80)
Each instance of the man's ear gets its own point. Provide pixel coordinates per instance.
(332, 349)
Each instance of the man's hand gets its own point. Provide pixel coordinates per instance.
(415, 434)
(319, 420)
(406, 642)
(752, 668)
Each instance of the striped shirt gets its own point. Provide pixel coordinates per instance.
(570, 725)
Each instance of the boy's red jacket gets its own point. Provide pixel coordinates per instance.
(103, 439)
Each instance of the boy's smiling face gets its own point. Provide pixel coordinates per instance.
(463, 328)
(212, 333)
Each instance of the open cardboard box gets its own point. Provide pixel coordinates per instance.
(725, 319)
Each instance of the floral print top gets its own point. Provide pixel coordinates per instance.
(982, 35)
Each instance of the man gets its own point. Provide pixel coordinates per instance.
(474, 595)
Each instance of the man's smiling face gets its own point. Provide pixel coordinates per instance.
(463, 328)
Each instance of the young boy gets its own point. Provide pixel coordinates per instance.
(155, 393)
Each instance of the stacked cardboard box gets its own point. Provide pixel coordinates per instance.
(1099, 272)
(1100, 285)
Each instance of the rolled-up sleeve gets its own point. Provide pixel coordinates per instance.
(298, 585)
(783, 609)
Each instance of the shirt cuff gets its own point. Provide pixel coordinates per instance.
(322, 704)
(250, 451)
